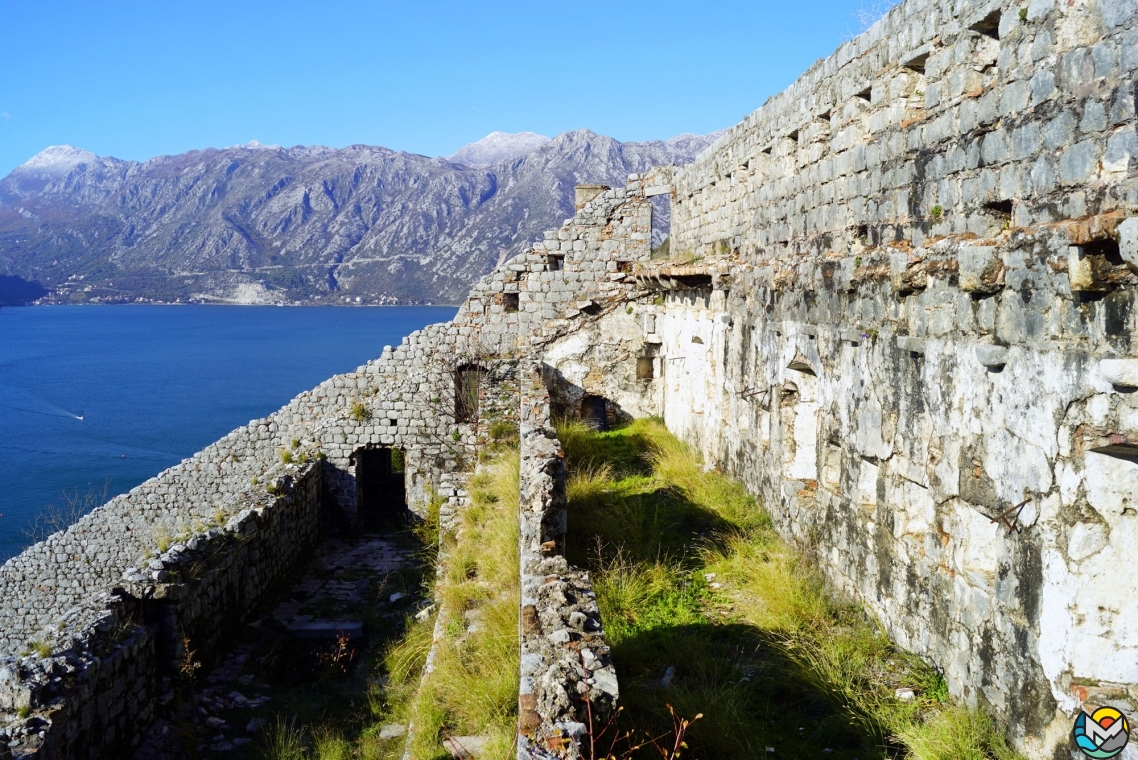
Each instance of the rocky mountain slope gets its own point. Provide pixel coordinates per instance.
(259, 224)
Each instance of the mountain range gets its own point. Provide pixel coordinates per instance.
(264, 224)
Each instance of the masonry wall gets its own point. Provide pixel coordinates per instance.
(903, 315)
(112, 664)
(566, 671)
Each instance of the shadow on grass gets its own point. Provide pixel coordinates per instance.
(318, 688)
(675, 639)
(748, 692)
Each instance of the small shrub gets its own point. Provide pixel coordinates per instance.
(256, 481)
(41, 648)
(360, 413)
(628, 309)
(857, 261)
(23, 712)
(456, 436)
(937, 211)
(503, 430)
(286, 456)
(296, 443)
(1023, 15)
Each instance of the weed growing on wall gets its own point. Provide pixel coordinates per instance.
(72, 506)
(360, 413)
(709, 611)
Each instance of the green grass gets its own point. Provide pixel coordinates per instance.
(708, 610)
(473, 689)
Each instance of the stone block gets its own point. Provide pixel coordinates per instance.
(1081, 271)
(981, 269)
(1128, 241)
(911, 344)
(1122, 373)
(992, 356)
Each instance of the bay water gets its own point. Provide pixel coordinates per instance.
(96, 399)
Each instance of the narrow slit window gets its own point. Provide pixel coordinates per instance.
(467, 382)
(917, 64)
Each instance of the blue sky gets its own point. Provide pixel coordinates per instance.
(139, 79)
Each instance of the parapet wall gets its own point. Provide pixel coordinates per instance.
(944, 119)
(567, 676)
(111, 664)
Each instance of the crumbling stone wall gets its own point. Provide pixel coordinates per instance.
(89, 686)
(565, 666)
(902, 307)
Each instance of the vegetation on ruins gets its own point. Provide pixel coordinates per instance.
(73, 505)
(708, 610)
(360, 413)
(472, 688)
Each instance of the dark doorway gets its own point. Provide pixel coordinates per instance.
(381, 495)
(594, 412)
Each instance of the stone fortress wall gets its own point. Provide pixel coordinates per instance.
(902, 304)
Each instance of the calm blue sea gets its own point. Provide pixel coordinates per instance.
(108, 396)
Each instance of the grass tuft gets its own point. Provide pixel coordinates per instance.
(956, 733)
(284, 741)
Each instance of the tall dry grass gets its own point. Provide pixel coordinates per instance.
(473, 689)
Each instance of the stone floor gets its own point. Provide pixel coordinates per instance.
(350, 588)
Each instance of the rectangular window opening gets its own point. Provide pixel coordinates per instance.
(1000, 208)
(467, 381)
(510, 301)
(555, 262)
(644, 368)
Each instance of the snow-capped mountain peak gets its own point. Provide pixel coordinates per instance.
(496, 147)
(57, 160)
